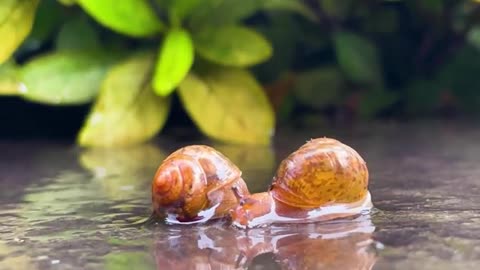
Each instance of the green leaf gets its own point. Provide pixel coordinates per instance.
(174, 61)
(319, 87)
(77, 34)
(357, 57)
(228, 104)
(64, 78)
(289, 5)
(126, 111)
(232, 46)
(9, 82)
(16, 20)
(130, 17)
(376, 100)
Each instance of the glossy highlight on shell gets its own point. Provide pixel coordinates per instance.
(323, 180)
(195, 184)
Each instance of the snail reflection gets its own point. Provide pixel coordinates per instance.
(332, 245)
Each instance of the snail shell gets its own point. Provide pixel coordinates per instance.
(320, 172)
(195, 184)
(324, 179)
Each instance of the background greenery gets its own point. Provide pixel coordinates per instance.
(239, 67)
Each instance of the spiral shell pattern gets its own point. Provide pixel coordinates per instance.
(184, 182)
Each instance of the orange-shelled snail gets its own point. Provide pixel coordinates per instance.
(323, 180)
(195, 184)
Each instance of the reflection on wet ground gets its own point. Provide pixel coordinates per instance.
(336, 245)
(69, 208)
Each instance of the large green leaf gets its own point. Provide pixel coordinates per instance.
(16, 19)
(319, 87)
(77, 34)
(228, 104)
(130, 17)
(174, 61)
(232, 46)
(358, 58)
(64, 78)
(126, 111)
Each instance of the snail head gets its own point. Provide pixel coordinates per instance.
(250, 207)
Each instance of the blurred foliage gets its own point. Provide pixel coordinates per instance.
(228, 104)
(126, 109)
(239, 66)
(257, 163)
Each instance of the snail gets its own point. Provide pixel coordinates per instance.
(194, 184)
(323, 180)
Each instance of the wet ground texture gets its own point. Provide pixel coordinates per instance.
(68, 208)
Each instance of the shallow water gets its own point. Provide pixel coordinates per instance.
(69, 208)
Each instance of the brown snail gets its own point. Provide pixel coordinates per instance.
(195, 184)
(323, 180)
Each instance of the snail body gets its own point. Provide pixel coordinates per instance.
(323, 180)
(195, 184)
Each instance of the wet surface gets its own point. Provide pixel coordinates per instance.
(69, 208)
